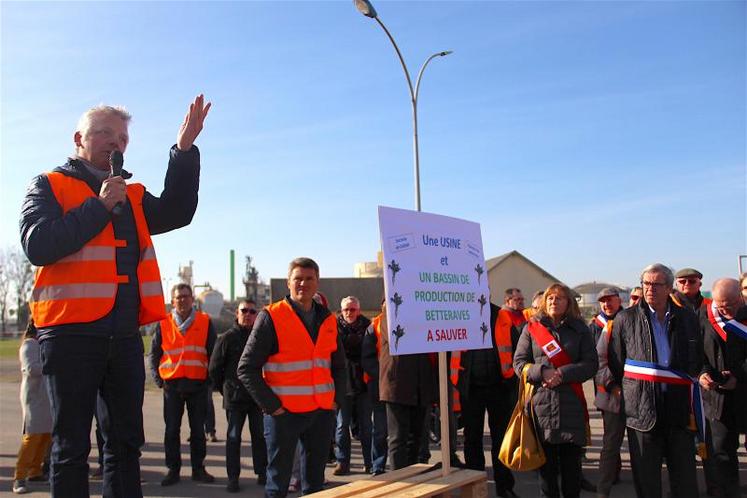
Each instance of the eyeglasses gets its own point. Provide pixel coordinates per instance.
(654, 285)
(690, 280)
(244, 311)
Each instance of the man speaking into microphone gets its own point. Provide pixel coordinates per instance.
(97, 283)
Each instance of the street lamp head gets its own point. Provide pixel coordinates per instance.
(365, 8)
(446, 52)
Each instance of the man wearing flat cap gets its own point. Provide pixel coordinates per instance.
(688, 282)
(608, 393)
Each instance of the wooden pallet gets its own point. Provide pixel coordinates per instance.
(415, 481)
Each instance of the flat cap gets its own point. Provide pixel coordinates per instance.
(607, 292)
(688, 272)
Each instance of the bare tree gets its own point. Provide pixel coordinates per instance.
(4, 287)
(21, 275)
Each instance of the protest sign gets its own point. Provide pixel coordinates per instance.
(435, 282)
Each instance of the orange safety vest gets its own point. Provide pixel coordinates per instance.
(82, 286)
(184, 355)
(503, 343)
(376, 323)
(300, 373)
(455, 365)
(517, 318)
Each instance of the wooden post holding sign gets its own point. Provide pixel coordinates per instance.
(436, 289)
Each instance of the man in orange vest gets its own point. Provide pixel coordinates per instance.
(294, 367)
(179, 357)
(98, 281)
(513, 304)
(486, 382)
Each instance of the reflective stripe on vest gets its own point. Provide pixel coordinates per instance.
(184, 355)
(300, 372)
(502, 336)
(82, 287)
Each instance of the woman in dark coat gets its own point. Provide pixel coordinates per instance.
(559, 406)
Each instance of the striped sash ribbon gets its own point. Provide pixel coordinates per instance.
(643, 370)
(723, 325)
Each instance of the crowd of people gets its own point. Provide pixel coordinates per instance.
(671, 367)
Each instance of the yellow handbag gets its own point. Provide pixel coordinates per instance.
(521, 449)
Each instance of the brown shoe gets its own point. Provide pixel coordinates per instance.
(341, 469)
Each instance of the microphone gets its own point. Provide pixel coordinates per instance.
(116, 160)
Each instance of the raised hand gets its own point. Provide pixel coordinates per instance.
(192, 125)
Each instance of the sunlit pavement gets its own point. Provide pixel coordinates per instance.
(152, 461)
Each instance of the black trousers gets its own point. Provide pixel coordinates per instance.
(564, 461)
(648, 450)
(173, 410)
(498, 401)
(236, 418)
(95, 374)
(405, 424)
(723, 441)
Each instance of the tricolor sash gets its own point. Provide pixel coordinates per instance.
(600, 320)
(558, 357)
(652, 372)
(722, 326)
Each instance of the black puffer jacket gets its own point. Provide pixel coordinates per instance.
(48, 234)
(223, 365)
(559, 412)
(351, 335)
(632, 338)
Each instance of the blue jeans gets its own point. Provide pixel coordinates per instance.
(76, 369)
(236, 418)
(379, 446)
(173, 411)
(282, 434)
(342, 434)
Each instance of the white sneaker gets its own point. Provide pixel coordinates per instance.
(19, 487)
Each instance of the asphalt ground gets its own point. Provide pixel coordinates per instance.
(152, 460)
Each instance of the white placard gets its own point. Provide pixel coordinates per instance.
(435, 282)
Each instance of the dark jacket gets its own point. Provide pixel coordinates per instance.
(466, 377)
(370, 363)
(408, 379)
(263, 343)
(351, 336)
(48, 235)
(223, 365)
(559, 413)
(727, 406)
(632, 338)
(182, 384)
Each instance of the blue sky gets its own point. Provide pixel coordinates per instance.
(593, 137)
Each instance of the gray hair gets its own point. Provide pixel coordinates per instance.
(84, 123)
(660, 268)
(351, 299)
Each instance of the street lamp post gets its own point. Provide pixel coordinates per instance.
(367, 9)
